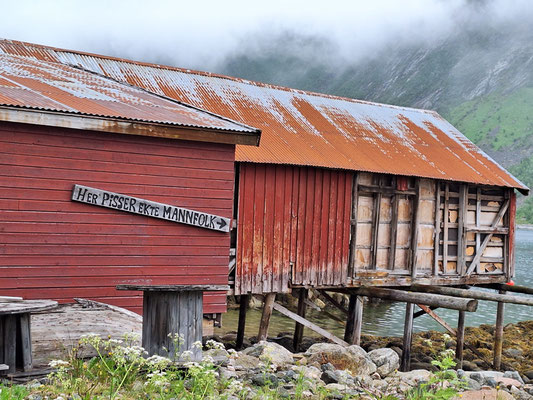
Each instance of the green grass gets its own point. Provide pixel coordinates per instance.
(498, 120)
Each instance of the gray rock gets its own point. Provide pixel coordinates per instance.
(352, 358)
(513, 375)
(220, 356)
(414, 377)
(472, 384)
(469, 366)
(311, 373)
(490, 381)
(329, 377)
(227, 374)
(477, 377)
(327, 367)
(244, 362)
(387, 361)
(269, 352)
(529, 374)
(513, 352)
(265, 379)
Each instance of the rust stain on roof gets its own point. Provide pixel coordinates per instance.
(42, 84)
(305, 128)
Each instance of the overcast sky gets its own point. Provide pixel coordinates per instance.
(198, 34)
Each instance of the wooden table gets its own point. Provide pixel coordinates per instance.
(15, 332)
(172, 310)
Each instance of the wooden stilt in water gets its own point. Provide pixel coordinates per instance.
(407, 337)
(460, 338)
(498, 336)
(268, 305)
(352, 334)
(299, 328)
(243, 307)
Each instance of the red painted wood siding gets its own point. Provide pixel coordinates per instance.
(293, 225)
(54, 248)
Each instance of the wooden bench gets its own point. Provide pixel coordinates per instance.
(170, 312)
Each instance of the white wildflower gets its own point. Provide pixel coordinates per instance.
(213, 344)
(197, 345)
(58, 363)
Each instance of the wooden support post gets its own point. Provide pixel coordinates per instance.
(268, 305)
(10, 342)
(243, 307)
(461, 233)
(352, 334)
(436, 241)
(414, 231)
(299, 328)
(407, 338)
(25, 341)
(460, 339)
(498, 336)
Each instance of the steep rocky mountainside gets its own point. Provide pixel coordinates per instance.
(479, 77)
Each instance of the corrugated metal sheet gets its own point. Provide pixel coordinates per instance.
(46, 85)
(304, 128)
(293, 223)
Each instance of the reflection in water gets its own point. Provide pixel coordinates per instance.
(386, 319)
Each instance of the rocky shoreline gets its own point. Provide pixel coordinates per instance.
(349, 372)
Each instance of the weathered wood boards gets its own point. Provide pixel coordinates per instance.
(172, 318)
(15, 332)
(136, 205)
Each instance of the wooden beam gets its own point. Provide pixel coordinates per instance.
(376, 212)
(352, 333)
(393, 231)
(417, 298)
(299, 328)
(498, 336)
(243, 308)
(278, 307)
(461, 238)
(268, 304)
(436, 235)
(407, 338)
(514, 288)
(446, 222)
(334, 302)
(473, 294)
(483, 246)
(434, 315)
(460, 339)
(353, 225)
(414, 230)
(422, 312)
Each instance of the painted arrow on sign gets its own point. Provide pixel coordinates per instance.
(135, 205)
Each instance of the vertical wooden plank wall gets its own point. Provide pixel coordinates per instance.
(293, 222)
(54, 248)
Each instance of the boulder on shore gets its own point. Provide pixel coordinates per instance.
(352, 358)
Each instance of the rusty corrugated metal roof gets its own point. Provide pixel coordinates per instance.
(41, 84)
(304, 128)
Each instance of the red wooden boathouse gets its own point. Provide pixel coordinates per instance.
(341, 195)
(61, 126)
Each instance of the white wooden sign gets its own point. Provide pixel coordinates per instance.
(135, 205)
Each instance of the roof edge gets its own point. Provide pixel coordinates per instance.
(122, 126)
(210, 74)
